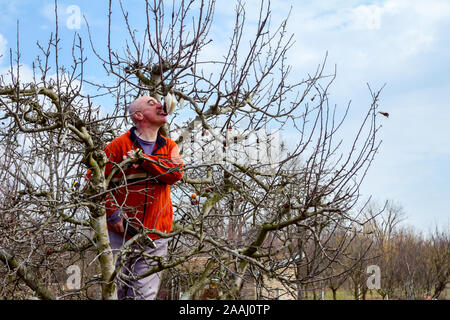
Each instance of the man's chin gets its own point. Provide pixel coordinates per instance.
(159, 122)
(163, 120)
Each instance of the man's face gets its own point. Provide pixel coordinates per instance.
(151, 111)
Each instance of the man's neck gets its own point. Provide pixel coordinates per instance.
(148, 133)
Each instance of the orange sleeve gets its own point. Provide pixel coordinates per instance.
(170, 168)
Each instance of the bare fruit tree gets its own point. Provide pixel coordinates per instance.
(270, 178)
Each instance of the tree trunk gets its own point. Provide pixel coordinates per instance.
(357, 292)
(334, 291)
(106, 257)
(299, 292)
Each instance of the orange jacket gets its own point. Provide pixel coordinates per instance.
(142, 189)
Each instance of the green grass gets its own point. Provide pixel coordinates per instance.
(343, 294)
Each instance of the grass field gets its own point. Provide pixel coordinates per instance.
(343, 294)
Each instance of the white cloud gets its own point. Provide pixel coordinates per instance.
(405, 44)
(25, 73)
(394, 30)
(3, 46)
(412, 163)
(418, 126)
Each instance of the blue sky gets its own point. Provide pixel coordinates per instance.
(404, 44)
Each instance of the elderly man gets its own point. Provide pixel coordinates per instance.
(139, 197)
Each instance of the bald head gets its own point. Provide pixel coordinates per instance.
(135, 106)
(147, 109)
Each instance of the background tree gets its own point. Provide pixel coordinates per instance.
(410, 262)
(440, 262)
(385, 220)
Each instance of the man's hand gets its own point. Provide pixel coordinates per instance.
(134, 155)
(118, 227)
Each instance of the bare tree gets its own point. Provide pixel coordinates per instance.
(440, 261)
(383, 222)
(413, 265)
(247, 207)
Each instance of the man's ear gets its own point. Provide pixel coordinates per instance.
(137, 116)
